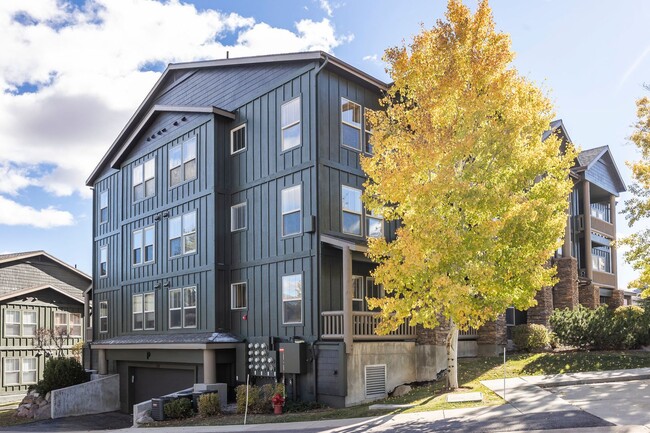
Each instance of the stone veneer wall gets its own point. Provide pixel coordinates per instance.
(565, 292)
(436, 336)
(540, 313)
(589, 296)
(616, 300)
(493, 332)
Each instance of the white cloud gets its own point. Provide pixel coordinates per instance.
(370, 58)
(325, 5)
(84, 71)
(14, 178)
(15, 214)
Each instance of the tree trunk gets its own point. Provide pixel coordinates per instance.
(452, 358)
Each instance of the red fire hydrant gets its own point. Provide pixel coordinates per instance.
(278, 402)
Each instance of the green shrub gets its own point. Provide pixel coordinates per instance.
(530, 337)
(259, 398)
(179, 408)
(61, 373)
(209, 404)
(602, 328)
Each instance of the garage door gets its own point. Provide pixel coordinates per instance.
(148, 383)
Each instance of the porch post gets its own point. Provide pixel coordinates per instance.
(209, 366)
(348, 335)
(566, 246)
(612, 219)
(103, 365)
(586, 210)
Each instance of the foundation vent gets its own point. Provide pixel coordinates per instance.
(375, 380)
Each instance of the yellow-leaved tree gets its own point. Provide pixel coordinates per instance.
(459, 160)
(638, 207)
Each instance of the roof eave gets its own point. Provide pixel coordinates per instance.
(29, 290)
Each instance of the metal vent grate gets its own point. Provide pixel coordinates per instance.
(375, 380)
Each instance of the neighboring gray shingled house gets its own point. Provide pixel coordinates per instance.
(36, 291)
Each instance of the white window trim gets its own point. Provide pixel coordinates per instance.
(233, 220)
(5, 371)
(297, 122)
(302, 299)
(184, 179)
(133, 312)
(369, 216)
(363, 290)
(195, 307)
(299, 210)
(107, 207)
(361, 216)
(352, 125)
(143, 245)
(145, 311)
(233, 291)
(182, 236)
(103, 248)
(22, 371)
(371, 281)
(179, 308)
(232, 142)
(22, 323)
(13, 323)
(71, 326)
(366, 131)
(145, 179)
(65, 324)
(101, 329)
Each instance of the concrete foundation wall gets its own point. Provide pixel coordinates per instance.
(97, 396)
(405, 363)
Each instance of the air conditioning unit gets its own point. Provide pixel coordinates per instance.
(158, 408)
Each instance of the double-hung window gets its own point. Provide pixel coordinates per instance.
(292, 210)
(103, 207)
(103, 316)
(351, 210)
(292, 299)
(29, 324)
(182, 234)
(182, 308)
(374, 224)
(12, 371)
(68, 324)
(290, 114)
(29, 370)
(75, 325)
(12, 323)
(103, 261)
(144, 311)
(238, 139)
(238, 296)
(351, 124)
(143, 245)
(61, 323)
(182, 162)
(144, 180)
(238, 217)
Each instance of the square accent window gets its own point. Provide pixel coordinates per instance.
(103, 207)
(351, 210)
(29, 370)
(358, 299)
(351, 124)
(103, 261)
(29, 324)
(144, 180)
(182, 234)
(292, 299)
(182, 162)
(292, 210)
(143, 245)
(238, 139)
(374, 225)
(238, 296)
(103, 316)
(290, 114)
(238, 217)
(12, 323)
(182, 308)
(368, 134)
(12, 371)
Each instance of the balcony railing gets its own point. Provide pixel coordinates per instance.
(364, 324)
(470, 334)
(601, 211)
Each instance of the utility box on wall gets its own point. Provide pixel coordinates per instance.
(292, 358)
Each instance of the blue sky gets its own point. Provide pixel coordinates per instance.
(73, 72)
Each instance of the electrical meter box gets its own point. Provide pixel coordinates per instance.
(262, 361)
(292, 358)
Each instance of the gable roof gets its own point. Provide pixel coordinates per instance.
(176, 73)
(587, 159)
(19, 276)
(588, 156)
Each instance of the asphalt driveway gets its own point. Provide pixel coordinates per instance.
(104, 421)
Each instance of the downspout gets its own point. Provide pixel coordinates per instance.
(316, 229)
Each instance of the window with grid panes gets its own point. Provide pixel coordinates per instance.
(238, 296)
(103, 261)
(103, 207)
(143, 245)
(182, 162)
(238, 139)
(144, 180)
(291, 210)
(351, 208)
(350, 124)
(292, 299)
(103, 316)
(12, 323)
(182, 234)
(290, 122)
(238, 217)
